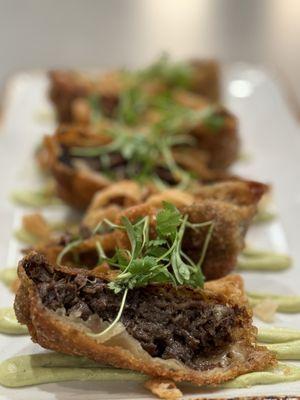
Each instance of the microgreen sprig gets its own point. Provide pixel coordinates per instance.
(159, 260)
(148, 261)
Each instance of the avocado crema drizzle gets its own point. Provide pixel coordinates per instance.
(35, 369)
(22, 371)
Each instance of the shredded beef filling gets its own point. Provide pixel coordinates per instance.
(167, 322)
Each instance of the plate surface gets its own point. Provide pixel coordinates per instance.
(271, 139)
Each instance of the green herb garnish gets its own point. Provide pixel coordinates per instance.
(148, 261)
(213, 121)
(146, 150)
(133, 102)
(160, 260)
(143, 153)
(177, 74)
(94, 101)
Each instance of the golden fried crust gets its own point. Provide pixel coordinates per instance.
(119, 196)
(86, 249)
(239, 192)
(77, 186)
(54, 332)
(206, 79)
(222, 146)
(65, 87)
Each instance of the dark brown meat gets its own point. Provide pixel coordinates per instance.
(165, 322)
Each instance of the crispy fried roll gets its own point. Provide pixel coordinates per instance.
(107, 203)
(204, 336)
(227, 240)
(70, 89)
(78, 177)
(230, 223)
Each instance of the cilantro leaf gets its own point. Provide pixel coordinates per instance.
(167, 221)
(214, 122)
(133, 103)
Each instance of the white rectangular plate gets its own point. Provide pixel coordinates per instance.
(270, 136)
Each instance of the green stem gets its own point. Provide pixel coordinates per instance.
(66, 250)
(205, 245)
(97, 335)
(101, 254)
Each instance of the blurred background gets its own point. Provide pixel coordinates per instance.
(38, 34)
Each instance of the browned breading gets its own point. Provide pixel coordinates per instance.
(239, 192)
(231, 221)
(117, 197)
(108, 202)
(230, 205)
(86, 251)
(35, 224)
(206, 79)
(77, 186)
(223, 146)
(54, 331)
(220, 145)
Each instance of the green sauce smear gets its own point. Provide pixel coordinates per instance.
(286, 304)
(286, 351)
(38, 198)
(8, 275)
(282, 373)
(50, 368)
(25, 237)
(277, 335)
(264, 216)
(9, 323)
(258, 260)
(37, 369)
